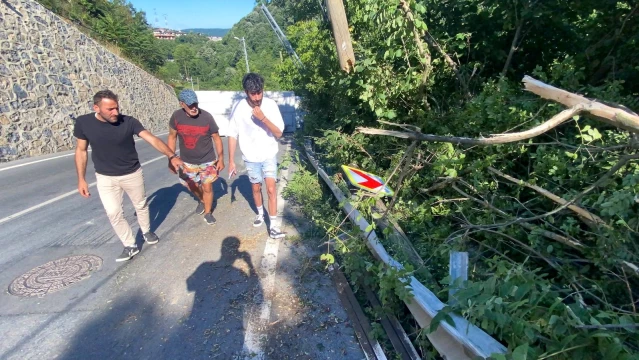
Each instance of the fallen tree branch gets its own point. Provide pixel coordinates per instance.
(616, 116)
(424, 54)
(408, 156)
(545, 233)
(397, 235)
(584, 214)
(439, 185)
(462, 82)
(608, 326)
(496, 139)
(621, 163)
(537, 253)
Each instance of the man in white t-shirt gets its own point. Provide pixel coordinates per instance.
(256, 122)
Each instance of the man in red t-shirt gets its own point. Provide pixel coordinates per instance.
(197, 131)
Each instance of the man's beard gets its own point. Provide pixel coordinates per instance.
(254, 103)
(109, 119)
(193, 113)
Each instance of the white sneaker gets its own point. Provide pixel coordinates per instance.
(276, 233)
(259, 220)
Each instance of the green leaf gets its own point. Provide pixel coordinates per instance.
(521, 352)
(451, 173)
(398, 53)
(329, 258)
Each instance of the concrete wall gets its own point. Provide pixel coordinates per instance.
(49, 72)
(220, 104)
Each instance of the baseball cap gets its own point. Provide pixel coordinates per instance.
(188, 97)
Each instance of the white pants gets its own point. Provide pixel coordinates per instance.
(111, 190)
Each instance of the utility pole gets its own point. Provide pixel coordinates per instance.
(245, 54)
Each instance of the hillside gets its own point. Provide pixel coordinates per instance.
(115, 24)
(220, 65)
(208, 32)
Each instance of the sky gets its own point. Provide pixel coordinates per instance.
(185, 14)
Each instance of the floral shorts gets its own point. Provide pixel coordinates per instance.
(198, 173)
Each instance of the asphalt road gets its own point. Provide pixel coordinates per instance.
(201, 292)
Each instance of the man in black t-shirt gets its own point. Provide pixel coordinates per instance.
(197, 131)
(117, 166)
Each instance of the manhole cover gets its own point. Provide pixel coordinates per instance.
(55, 275)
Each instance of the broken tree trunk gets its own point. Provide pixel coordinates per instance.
(616, 116)
(339, 23)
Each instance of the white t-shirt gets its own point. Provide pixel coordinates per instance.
(257, 143)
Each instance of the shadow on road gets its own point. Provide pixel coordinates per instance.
(224, 290)
(243, 185)
(162, 202)
(120, 333)
(137, 327)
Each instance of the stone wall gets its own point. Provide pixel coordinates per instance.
(49, 72)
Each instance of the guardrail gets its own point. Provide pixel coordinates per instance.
(459, 341)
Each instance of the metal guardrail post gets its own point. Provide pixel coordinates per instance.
(458, 268)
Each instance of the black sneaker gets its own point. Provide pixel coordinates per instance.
(259, 220)
(276, 233)
(127, 254)
(210, 219)
(200, 208)
(150, 237)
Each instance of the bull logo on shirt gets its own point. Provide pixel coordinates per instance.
(191, 134)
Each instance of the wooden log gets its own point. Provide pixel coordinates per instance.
(339, 23)
(494, 140)
(616, 116)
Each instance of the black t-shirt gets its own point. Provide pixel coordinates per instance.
(112, 145)
(196, 144)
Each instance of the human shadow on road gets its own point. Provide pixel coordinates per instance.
(220, 189)
(224, 291)
(243, 185)
(162, 202)
(119, 333)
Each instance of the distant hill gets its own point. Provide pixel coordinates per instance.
(209, 32)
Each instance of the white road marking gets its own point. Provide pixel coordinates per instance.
(56, 157)
(35, 162)
(50, 201)
(257, 327)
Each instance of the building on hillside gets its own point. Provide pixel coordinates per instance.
(166, 34)
(214, 38)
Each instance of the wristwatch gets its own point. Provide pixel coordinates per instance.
(173, 156)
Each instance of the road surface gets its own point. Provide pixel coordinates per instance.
(223, 291)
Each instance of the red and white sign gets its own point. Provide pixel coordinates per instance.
(367, 181)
